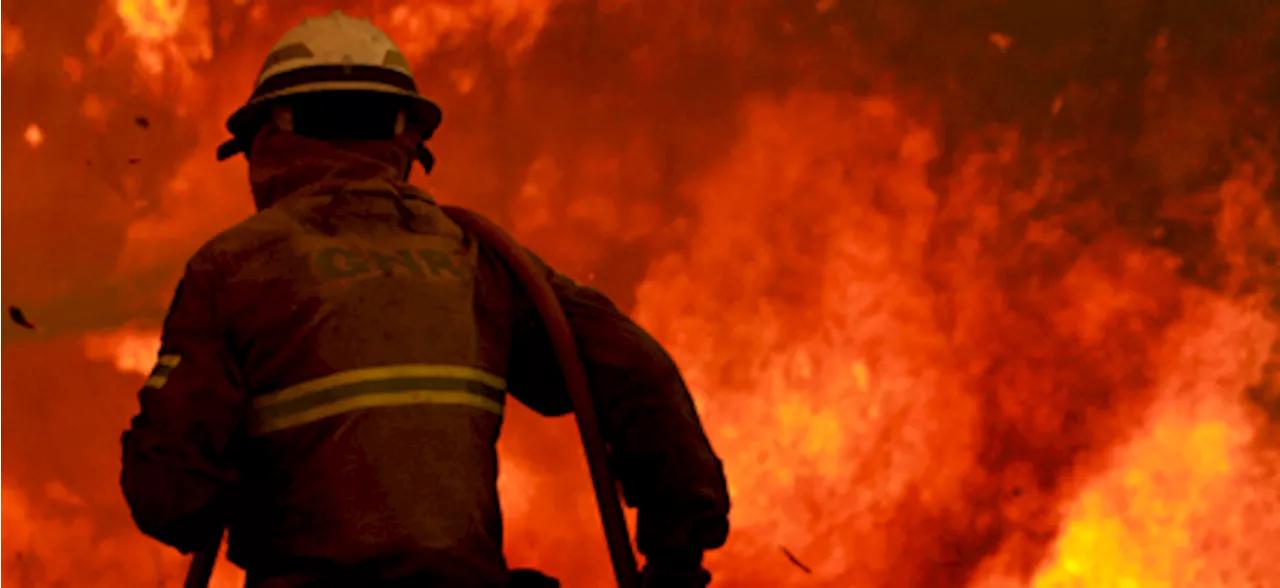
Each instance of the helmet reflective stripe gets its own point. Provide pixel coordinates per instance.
(320, 78)
(327, 54)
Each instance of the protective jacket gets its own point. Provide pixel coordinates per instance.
(332, 379)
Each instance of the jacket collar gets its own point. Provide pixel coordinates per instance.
(285, 165)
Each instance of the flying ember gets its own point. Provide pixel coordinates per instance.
(33, 135)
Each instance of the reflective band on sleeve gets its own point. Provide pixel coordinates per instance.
(160, 374)
(396, 385)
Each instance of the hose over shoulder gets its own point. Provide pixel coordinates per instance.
(575, 377)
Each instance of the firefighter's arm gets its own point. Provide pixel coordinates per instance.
(660, 453)
(179, 471)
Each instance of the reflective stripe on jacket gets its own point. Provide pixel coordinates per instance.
(384, 386)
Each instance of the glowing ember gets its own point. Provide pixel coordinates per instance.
(152, 20)
(1002, 42)
(33, 136)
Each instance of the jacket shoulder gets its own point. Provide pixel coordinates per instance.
(232, 246)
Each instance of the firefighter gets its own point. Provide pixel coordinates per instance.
(334, 369)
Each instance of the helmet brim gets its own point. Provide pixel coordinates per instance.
(244, 123)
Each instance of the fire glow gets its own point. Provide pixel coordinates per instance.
(932, 349)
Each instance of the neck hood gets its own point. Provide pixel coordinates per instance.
(283, 164)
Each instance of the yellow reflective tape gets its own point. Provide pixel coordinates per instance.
(156, 382)
(379, 373)
(169, 360)
(374, 401)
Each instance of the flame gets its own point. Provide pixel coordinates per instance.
(962, 304)
(1133, 529)
(815, 405)
(421, 29)
(152, 20)
(168, 42)
(1174, 507)
(847, 413)
(130, 350)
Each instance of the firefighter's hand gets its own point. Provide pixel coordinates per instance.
(674, 574)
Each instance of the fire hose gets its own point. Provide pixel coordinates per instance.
(566, 350)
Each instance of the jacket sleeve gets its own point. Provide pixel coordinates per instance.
(179, 471)
(659, 450)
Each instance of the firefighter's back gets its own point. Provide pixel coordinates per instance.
(331, 374)
(375, 356)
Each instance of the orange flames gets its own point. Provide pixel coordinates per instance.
(130, 351)
(997, 313)
(1186, 501)
(152, 20)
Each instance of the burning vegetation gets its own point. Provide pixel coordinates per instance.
(974, 294)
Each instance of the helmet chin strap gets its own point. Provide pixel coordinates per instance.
(425, 158)
(421, 153)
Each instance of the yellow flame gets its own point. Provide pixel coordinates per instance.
(152, 20)
(1179, 492)
(1134, 529)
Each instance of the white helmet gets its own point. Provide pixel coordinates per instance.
(326, 54)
